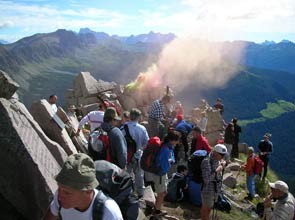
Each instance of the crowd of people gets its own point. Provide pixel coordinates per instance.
(77, 194)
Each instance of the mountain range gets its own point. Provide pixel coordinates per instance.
(47, 63)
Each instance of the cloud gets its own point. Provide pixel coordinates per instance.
(6, 24)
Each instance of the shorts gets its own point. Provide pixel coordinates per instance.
(160, 182)
(208, 199)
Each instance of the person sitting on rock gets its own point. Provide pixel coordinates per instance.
(283, 208)
(178, 186)
(77, 197)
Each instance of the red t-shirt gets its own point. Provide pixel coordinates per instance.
(202, 144)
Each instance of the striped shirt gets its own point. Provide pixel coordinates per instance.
(156, 110)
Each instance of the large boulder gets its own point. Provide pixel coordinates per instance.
(85, 85)
(127, 102)
(243, 148)
(52, 125)
(71, 124)
(27, 165)
(7, 86)
(229, 180)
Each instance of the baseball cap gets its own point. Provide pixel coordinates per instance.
(111, 113)
(78, 172)
(280, 185)
(220, 148)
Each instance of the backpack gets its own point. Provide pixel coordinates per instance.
(259, 209)
(194, 165)
(149, 156)
(98, 145)
(118, 185)
(222, 203)
(173, 190)
(131, 144)
(258, 165)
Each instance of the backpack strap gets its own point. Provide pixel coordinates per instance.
(59, 208)
(127, 131)
(98, 206)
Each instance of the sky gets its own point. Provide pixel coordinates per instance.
(251, 20)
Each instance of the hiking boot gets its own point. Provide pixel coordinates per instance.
(250, 198)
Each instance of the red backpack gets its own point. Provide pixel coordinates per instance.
(258, 165)
(99, 145)
(150, 152)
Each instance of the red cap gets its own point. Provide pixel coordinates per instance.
(179, 117)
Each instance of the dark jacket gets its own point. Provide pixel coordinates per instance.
(229, 135)
(118, 146)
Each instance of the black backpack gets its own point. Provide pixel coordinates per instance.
(222, 204)
(117, 184)
(194, 165)
(131, 144)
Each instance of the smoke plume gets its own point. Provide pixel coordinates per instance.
(192, 62)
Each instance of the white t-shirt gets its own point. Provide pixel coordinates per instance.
(54, 108)
(94, 118)
(111, 210)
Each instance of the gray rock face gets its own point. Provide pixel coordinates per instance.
(243, 148)
(7, 86)
(43, 114)
(71, 126)
(27, 166)
(233, 166)
(85, 85)
(229, 180)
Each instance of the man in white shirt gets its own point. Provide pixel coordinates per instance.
(52, 101)
(76, 197)
(94, 118)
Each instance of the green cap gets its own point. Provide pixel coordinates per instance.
(110, 114)
(78, 172)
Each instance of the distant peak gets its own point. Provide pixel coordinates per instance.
(286, 41)
(266, 42)
(85, 31)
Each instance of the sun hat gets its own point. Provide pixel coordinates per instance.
(78, 172)
(280, 185)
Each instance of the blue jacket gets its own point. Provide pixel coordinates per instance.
(184, 127)
(165, 158)
(118, 146)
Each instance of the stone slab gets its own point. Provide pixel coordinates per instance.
(43, 114)
(7, 85)
(27, 166)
